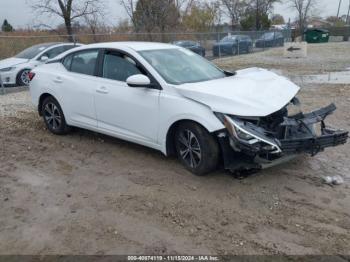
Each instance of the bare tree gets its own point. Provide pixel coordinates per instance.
(261, 9)
(183, 8)
(201, 17)
(233, 9)
(95, 25)
(68, 10)
(156, 16)
(303, 7)
(236, 9)
(129, 7)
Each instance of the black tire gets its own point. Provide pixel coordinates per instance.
(20, 79)
(234, 50)
(249, 49)
(201, 155)
(53, 116)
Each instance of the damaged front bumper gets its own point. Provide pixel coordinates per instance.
(260, 143)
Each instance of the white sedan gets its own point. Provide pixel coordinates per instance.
(14, 70)
(171, 99)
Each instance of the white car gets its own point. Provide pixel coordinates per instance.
(173, 100)
(14, 70)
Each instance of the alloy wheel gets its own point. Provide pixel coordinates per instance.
(25, 77)
(52, 116)
(190, 149)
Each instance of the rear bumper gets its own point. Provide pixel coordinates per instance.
(300, 136)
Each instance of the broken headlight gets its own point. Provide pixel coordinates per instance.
(244, 134)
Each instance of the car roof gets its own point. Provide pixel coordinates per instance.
(234, 36)
(49, 44)
(64, 43)
(137, 46)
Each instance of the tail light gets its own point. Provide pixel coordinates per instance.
(31, 76)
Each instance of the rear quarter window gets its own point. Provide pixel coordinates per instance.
(83, 62)
(67, 62)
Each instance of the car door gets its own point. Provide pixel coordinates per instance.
(128, 112)
(77, 87)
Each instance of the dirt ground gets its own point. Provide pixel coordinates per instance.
(86, 193)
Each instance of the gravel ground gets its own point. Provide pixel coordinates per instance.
(321, 58)
(90, 194)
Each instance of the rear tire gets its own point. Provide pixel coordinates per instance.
(234, 50)
(53, 116)
(249, 49)
(196, 148)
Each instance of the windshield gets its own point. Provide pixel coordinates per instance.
(180, 66)
(33, 51)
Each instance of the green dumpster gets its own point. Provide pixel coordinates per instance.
(315, 35)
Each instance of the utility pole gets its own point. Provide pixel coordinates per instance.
(339, 8)
(257, 18)
(347, 17)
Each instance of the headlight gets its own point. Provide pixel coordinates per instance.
(242, 135)
(7, 69)
(237, 130)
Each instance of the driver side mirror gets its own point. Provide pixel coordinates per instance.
(138, 81)
(44, 58)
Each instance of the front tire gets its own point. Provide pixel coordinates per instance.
(196, 148)
(53, 116)
(22, 78)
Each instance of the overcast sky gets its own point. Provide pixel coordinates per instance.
(19, 13)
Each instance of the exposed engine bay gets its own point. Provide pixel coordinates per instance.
(270, 140)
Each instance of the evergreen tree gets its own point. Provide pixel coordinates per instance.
(6, 27)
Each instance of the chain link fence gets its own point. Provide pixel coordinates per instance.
(210, 45)
(12, 44)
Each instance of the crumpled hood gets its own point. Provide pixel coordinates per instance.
(251, 92)
(13, 61)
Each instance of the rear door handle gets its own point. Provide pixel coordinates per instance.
(102, 90)
(58, 80)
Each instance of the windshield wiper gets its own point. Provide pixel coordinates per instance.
(228, 73)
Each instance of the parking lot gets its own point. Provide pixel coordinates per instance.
(86, 193)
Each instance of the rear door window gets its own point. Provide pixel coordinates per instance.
(83, 62)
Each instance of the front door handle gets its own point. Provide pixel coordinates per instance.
(102, 90)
